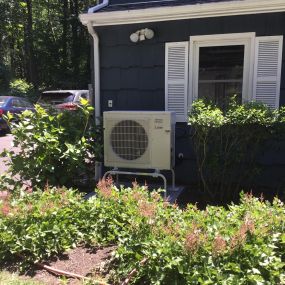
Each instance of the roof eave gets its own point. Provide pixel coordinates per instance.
(159, 14)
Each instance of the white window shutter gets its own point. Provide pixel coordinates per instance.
(176, 79)
(267, 70)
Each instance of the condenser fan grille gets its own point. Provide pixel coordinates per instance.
(129, 139)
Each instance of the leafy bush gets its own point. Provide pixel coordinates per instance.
(55, 147)
(21, 88)
(228, 143)
(39, 224)
(244, 244)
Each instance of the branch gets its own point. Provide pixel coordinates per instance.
(64, 273)
(134, 272)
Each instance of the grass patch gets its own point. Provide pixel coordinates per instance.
(7, 278)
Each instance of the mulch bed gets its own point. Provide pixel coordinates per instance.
(80, 260)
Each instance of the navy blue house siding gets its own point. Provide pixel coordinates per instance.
(132, 74)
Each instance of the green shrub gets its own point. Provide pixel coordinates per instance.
(39, 224)
(166, 245)
(227, 144)
(21, 88)
(55, 147)
(244, 244)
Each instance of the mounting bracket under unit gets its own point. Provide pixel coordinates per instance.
(154, 174)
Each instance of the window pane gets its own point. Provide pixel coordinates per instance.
(2, 101)
(16, 103)
(55, 97)
(221, 73)
(26, 104)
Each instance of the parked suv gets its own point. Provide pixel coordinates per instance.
(63, 99)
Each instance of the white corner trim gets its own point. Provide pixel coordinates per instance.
(158, 14)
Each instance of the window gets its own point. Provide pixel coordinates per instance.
(16, 103)
(21, 103)
(84, 96)
(26, 104)
(220, 66)
(221, 73)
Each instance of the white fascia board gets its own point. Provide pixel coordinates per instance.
(158, 14)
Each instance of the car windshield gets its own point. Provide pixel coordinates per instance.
(54, 98)
(2, 101)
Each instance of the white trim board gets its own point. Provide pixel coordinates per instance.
(158, 14)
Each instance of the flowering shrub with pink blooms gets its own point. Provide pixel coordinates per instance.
(37, 224)
(157, 241)
(244, 244)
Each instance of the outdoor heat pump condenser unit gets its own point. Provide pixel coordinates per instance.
(139, 139)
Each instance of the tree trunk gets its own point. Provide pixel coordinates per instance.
(75, 52)
(29, 47)
(65, 37)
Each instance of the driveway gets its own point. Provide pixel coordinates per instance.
(5, 143)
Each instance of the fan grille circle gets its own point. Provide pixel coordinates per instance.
(129, 139)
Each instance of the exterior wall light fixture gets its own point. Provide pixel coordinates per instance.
(142, 35)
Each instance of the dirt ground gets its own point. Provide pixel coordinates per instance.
(81, 261)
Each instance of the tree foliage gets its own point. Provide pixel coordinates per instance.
(44, 43)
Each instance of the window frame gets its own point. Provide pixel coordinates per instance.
(246, 39)
(16, 100)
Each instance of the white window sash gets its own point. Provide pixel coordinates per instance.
(246, 39)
